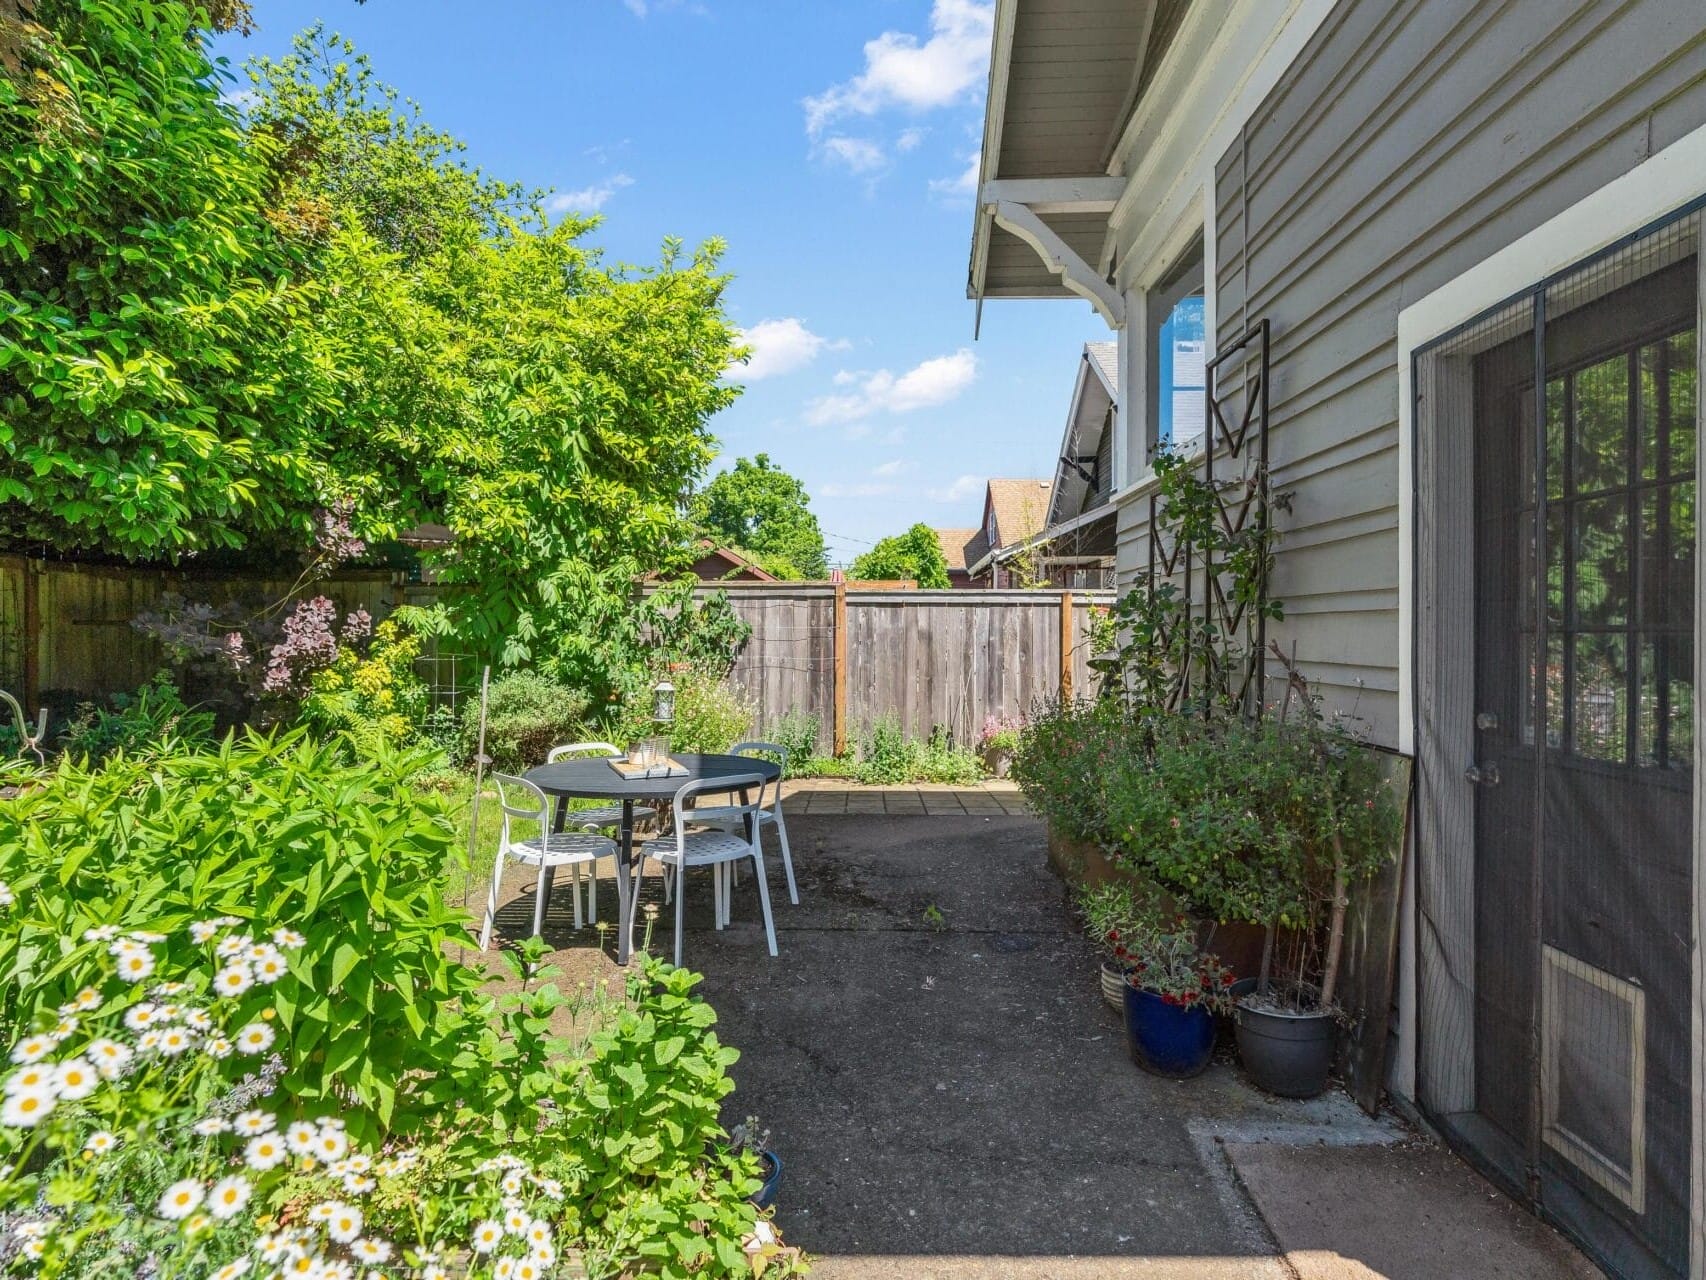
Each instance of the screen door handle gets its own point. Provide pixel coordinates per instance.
(1483, 775)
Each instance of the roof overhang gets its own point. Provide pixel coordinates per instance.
(1063, 82)
(1092, 399)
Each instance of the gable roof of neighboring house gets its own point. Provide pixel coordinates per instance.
(716, 564)
(957, 546)
(1083, 478)
(1020, 508)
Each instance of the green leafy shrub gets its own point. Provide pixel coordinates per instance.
(373, 696)
(797, 734)
(276, 833)
(527, 714)
(889, 756)
(1066, 755)
(153, 719)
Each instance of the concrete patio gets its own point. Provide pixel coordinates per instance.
(953, 1100)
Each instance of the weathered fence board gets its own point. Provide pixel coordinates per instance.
(65, 628)
(922, 658)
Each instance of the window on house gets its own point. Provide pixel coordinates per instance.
(1178, 343)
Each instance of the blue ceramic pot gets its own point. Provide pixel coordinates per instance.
(772, 1179)
(1167, 1039)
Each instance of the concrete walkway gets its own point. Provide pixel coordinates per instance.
(953, 1100)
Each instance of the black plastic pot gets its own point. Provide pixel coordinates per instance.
(1289, 1054)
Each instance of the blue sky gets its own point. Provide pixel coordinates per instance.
(830, 145)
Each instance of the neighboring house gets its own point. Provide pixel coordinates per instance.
(961, 548)
(1409, 231)
(1075, 548)
(724, 564)
(1014, 512)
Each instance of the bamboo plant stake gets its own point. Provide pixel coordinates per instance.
(481, 760)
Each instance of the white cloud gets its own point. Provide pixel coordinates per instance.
(861, 155)
(962, 184)
(900, 70)
(779, 347)
(961, 489)
(909, 139)
(588, 199)
(242, 99)
(933, 382)
(891, 468)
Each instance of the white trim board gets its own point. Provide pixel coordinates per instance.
(1660, 185)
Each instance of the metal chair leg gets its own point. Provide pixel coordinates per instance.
(787, 858)
(492, 901)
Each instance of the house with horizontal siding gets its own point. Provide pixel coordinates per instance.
(1442, 257)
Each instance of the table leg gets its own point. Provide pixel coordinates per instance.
(624, 858)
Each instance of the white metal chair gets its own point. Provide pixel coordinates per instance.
(608, 815)
(520, 800)
(713, 847)
(723, 815)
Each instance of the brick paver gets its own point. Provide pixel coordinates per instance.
(837, 795)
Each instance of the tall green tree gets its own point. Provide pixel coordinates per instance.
(159, 392)
(550, 408)
(915, 554)
(761, 509)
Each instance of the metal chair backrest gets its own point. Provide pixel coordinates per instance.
(571, 749)
(767, 749)
(519, 798)
(732, 784)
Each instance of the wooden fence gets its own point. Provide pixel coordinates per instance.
(847, 655)
(65, 628)
(925, 658)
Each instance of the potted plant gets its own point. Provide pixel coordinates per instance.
(999, 743)
(748, 1136)
(1110, 914)
(1173, 990)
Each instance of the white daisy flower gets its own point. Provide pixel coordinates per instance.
(233, 980)
(101, 933)
(88, 998)
(32, 1049)
(504, 1270)
(371, 1250)
(289, 939)
(100, 1142)
(488, 1235)
(75, 1078)
(147, 936)
(269, 969)
(32, 1229)
(230, 1271)
(135, 966)
(218, 1047)
(251, 1123)
(170, 1012)
(174, 1040)
(180, 1200)
(344, 1223)
(109, 1056)
(204, 931)
(33, 1249)
(330, 1144)
(207, 1126)
(66, 1026)
(140, 1016)
(516, 1222)
(198, 1019)
(526, 1269)
(432, 1271)
(301, 1136)
(358, 1163)
(148, 1041)
(358, 1184)
(257, 1037)
(173, 988)
(544, 1254)
(511, 1184)
(232, 946)
(539, 1232)
(228, 1197)
(7, 898)
(275, 1248)
(27, 1108)
(38, 1075)
(338, 1269)
(265, 1151)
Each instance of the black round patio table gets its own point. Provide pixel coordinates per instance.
(592, 778)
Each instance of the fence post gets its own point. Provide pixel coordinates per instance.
(32, 637)
(1066, 646)
(839, 676)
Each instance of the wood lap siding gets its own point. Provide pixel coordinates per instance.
(1407, 143)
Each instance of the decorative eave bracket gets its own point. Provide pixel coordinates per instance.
(1075, 274)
